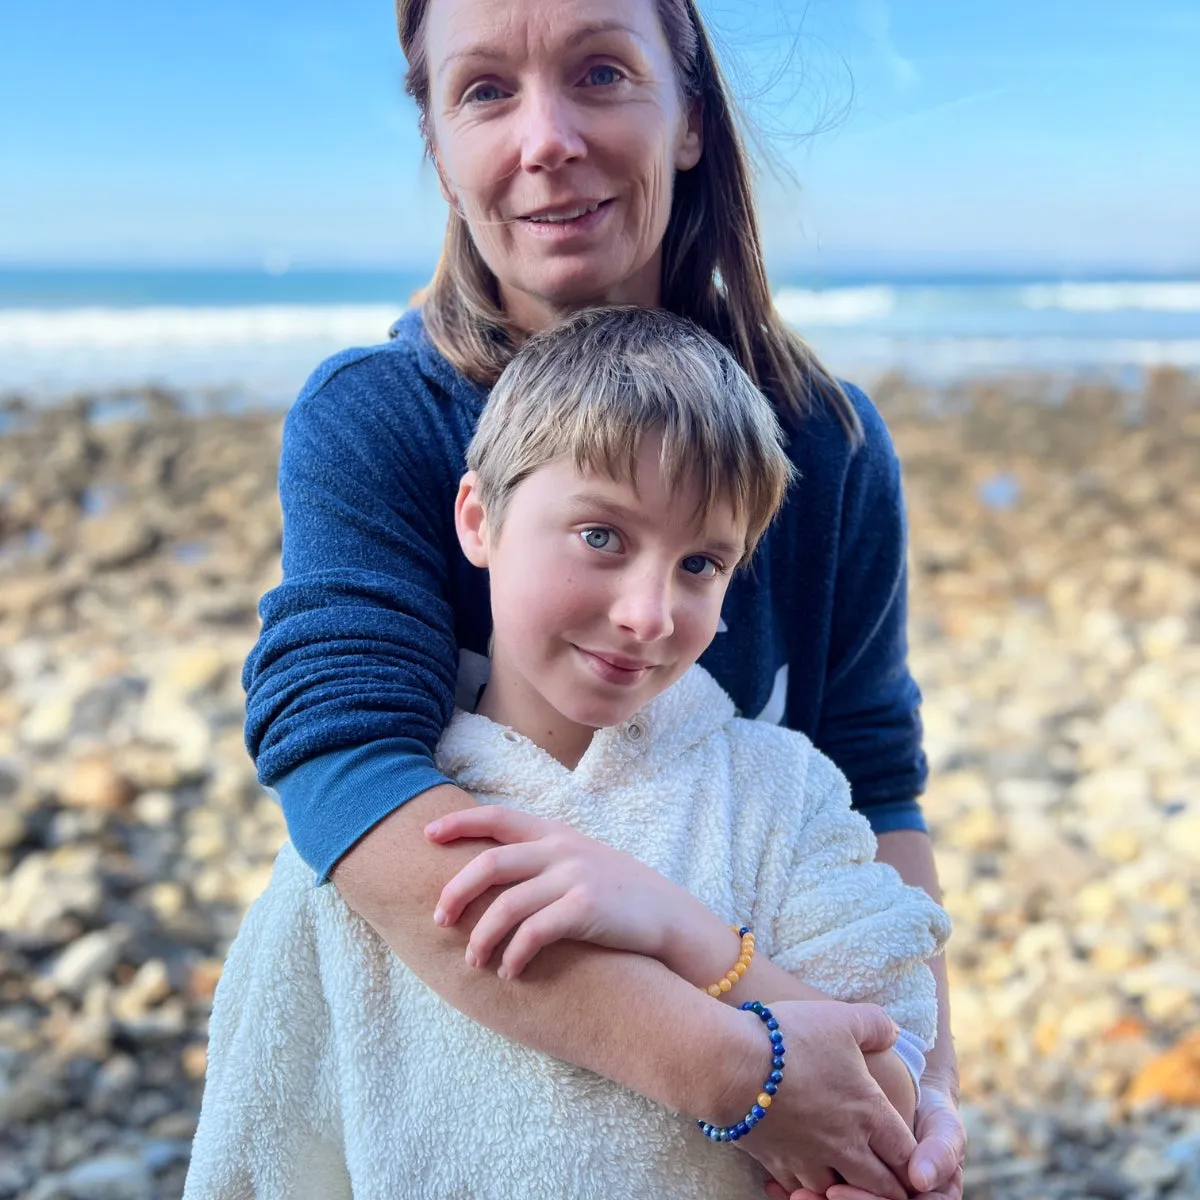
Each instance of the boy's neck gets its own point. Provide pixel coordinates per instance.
(509, 699)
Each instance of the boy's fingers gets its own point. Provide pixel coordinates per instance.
(511, 908)
(484, 820)
(550, 923)
(496, 867)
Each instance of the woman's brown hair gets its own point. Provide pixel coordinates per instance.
(713, 271)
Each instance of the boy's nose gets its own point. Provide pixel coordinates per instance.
(643, 609)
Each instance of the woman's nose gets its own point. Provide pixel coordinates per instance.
(550, 134)
(643, 609)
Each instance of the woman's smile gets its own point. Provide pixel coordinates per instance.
(566, 221)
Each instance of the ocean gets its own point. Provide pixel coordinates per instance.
(254, 336)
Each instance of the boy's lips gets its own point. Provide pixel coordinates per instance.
(616, 668)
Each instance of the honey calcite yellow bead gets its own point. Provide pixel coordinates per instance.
(746, 959)
(714, 990)
(764, 1101)
(740, 969)
(724, 985)
(732, 976)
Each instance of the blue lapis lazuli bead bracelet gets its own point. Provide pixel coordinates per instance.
(758, 1110)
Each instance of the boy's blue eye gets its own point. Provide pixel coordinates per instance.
(700, 564)
(600, 538)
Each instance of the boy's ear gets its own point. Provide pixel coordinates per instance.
(470, 521)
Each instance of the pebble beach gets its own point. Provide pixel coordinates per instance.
(1055, 632)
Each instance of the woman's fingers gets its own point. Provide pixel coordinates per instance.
(516, 906)
(486, 821)
(495, 867)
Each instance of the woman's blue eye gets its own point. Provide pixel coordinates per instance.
(484, 93)
(608, 76)
(700, 564)
(600, 538)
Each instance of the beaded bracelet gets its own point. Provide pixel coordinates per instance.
(758, 1110)
(739, 968)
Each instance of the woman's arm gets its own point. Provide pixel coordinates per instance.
(628, 1017)
(702, 952)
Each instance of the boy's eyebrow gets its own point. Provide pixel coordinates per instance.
(594, 501)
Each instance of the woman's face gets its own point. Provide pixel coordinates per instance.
(558, 126)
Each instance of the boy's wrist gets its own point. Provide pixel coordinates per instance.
(697, 945)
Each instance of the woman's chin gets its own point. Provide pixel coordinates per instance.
(568, 286)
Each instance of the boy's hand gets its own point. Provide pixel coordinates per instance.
(558, 884)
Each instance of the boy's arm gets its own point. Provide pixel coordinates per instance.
(624, 1016)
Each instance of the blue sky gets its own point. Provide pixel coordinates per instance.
(950, 136)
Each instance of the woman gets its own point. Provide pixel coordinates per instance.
(588, 154)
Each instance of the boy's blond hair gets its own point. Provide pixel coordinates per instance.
(592, 387)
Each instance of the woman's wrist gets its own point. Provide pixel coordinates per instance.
(738, 1061)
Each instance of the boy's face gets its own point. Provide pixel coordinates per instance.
(602, 595)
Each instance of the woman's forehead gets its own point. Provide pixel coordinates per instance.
(501, 28)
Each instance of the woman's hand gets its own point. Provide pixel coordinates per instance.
(936, 1169)
(558, 884)
(829, 1119)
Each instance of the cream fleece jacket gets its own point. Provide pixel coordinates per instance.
(334, 1072)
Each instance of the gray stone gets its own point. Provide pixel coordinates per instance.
(89, 959)
(110, 1177)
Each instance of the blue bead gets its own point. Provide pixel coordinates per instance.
(758, 1112)
(743, 1128)
(776, 1036)
(777, 1063)
(756, 1006)
(772, 1024)
(776, 1076)
(747, 1006)
(745, 929)
(734, 1133)
(779, 1048)
(770, 1087)
(751, 1120)
(764, 1012)
(714, 1135)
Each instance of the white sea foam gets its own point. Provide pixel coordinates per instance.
(835, 306)
(252, 325)
(1177, 297)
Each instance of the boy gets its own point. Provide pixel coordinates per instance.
(623, 469)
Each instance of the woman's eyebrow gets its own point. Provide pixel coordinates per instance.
(490, 53)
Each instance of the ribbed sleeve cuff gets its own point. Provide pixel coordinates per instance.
(890, 816)
(332, 801)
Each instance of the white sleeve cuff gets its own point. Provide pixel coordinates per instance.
(910, 1049)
